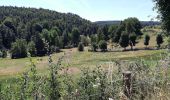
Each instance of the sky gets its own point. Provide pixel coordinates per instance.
(93, 10)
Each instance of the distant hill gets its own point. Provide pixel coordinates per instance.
(115, 22)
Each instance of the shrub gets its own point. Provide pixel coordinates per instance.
(146, 40)
(167, 40)
(32, 49)
(54, 49)
(19, 49)
(4, 53)
(159, 40)
(132, 40)
(80, 47)
(93, 38)
(94, 47)
(103, 45)
(85, 40)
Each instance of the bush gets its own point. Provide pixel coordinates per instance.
(103, 45)
(94, 47)
(4, 53)
(85, 40)
(132, 40)
(159, 40)
(32, 49)
(19, 49)
(80, 47)
(54, 49)
(146, 40)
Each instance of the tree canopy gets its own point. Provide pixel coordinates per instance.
(163, 7)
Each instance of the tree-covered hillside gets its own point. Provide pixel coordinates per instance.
(36, 26)
(47, 18)
(20, 22)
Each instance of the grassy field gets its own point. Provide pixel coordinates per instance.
(73, 59)
(76, 60)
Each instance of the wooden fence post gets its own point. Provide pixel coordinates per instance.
(127, 83)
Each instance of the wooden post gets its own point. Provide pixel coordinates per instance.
(127, 83)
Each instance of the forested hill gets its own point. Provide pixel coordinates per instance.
(46, 18)
(26, 23)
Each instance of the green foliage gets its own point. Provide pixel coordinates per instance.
(124, 40)
(19, 49)
(112, 30)
(86, 84)
(32, 49)
(132, 25)
(94, 47)
(85, 40)
(40, 45)
(167, 42)
(159, 40)
(1, 42)
(8, 36)
(93, 38)
(163, 8)
(37, 27)
(66, 38)
(132, 40)
(80, 47)
(93, 84)
(105, 32)
(59, 42)
(100, 35)
(50, 36)
(3, 53)
(75, 36)
(146, 40)
(53, 82)
(40, 24)
(116, 36)
(103, 45)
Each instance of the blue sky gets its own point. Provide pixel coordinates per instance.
(93, 10)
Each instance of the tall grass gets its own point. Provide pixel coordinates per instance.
(149, 81)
